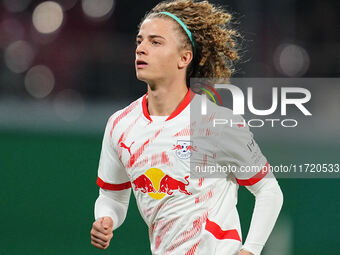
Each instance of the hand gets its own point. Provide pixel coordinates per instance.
(102, 232)
(244, 252)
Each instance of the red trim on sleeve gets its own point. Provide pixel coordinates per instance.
(220, 234)
(109, 186)
(256, 178)
(189, 95)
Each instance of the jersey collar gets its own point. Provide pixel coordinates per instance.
(185, 102)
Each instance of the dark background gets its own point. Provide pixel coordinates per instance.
(50, 143)
(95, 57)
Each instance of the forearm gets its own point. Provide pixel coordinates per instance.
(113, 204)
(268, 203)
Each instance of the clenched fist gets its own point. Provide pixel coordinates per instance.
(244, 252)
(102, 232)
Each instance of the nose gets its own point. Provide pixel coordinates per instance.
(141, 49)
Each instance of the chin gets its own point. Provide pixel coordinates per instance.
(143, 77)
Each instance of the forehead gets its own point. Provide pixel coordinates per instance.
(159, 26)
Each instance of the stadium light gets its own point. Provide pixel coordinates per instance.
(291, 60)
(39, 81)
(69, 105)
(19, 56)
(47, 17)
(98, 10)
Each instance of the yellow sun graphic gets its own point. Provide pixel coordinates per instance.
(155, 175)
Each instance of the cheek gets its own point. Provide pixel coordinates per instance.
(167, 60)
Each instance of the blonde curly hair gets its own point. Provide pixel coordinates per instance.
(215, 40)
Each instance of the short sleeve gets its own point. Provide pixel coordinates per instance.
(111, 173)
(242, 153)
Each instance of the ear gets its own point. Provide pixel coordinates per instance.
(185, 58)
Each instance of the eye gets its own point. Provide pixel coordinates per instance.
(155, 42)
(138, 42)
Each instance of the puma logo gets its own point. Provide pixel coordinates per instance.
(123, 145)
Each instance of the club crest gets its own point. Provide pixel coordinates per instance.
(183, 149)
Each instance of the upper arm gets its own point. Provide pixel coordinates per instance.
(243, 153)
(111, 172)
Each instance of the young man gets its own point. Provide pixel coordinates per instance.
(147, 146)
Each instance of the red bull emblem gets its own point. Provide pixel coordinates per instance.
(168, 184)
(157, 184)
(183, 149)
(144, 184)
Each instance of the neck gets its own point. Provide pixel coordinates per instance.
(164, 99)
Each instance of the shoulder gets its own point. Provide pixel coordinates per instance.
(121, 114)
(212, 108)
(119, 119)
(218, 117)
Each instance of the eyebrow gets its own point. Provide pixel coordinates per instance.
(151, 36)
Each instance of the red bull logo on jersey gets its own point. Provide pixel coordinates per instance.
(169, 184)
(183, 149)
(144, 184)
(157, 184)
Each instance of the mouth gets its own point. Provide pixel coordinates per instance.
(141, 64)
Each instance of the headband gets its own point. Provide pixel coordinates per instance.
(184, 27)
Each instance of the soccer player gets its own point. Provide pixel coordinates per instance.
(149, 145)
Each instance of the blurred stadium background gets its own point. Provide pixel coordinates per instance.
(67, 65)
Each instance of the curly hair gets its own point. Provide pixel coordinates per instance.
(210, 26)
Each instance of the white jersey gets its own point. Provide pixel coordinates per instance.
(185, 213)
